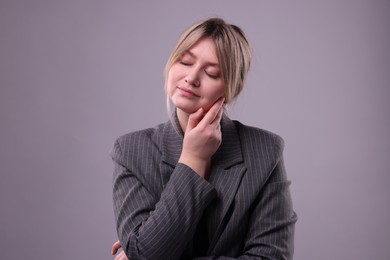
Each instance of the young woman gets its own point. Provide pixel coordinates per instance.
(202, 185)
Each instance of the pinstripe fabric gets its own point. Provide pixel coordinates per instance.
(159, 202)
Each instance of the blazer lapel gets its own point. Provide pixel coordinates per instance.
(227, 172)
(171, 146)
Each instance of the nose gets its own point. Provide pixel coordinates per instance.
(192, 78)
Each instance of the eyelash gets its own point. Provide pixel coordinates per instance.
(189, 64)
(212, 76)
(185, 63)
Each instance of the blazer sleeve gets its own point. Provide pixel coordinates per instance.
(271, 228)
(271, 225)
(157, 227)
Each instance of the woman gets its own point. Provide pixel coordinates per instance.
(202, 185)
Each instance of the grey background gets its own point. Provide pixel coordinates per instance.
(74, 75)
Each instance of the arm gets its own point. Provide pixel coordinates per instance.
(158, 228)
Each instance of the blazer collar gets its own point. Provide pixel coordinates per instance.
(227, 155)
(172, 141)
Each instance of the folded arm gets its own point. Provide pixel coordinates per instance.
(151, 227)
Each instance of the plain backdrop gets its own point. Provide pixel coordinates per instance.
(76, 74)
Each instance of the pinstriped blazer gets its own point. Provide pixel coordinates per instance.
(159, 202)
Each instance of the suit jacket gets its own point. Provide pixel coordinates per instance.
(159, 202)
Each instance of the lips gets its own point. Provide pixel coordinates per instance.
(187, 92)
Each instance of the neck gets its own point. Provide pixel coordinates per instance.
(183, 119)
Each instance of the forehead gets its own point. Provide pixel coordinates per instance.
(205, 48)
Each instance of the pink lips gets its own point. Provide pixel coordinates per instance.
(187, 92)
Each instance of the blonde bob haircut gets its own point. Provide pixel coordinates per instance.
(233, 51)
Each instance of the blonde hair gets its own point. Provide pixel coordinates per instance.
(233, 50)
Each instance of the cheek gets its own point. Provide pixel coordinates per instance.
(170, 82)
(219, 92)
(222, 91)
(212, 96)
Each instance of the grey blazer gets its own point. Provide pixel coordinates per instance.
(245, 204)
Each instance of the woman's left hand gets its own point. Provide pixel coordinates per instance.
(114, 250)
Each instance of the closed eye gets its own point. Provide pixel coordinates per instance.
(185, 63)
(212, 75)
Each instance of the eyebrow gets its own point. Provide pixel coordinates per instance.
(213, 64)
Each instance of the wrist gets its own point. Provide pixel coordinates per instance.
(200, 166)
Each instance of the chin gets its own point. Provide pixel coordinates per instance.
(185, 107)
(188, 110)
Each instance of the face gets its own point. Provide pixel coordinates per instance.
(195, 81)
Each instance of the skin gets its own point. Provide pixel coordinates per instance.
(115, 247)
(196, 88)
(194, 81)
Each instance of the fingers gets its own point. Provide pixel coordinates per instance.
(114, 250)
(121, 256)
(218, 117)
(194, 119)
(115, 247)
(214, 115)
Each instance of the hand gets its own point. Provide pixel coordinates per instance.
(202, 138)
(114, 250)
